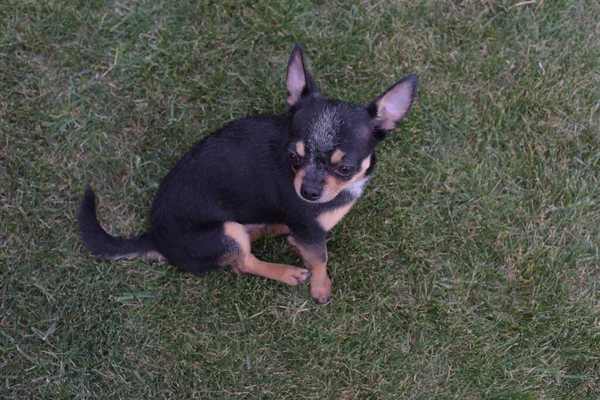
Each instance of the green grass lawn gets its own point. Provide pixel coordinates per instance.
(470, 269)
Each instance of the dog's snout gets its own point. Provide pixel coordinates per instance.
(310, 191)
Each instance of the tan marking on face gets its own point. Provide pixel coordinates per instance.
(329, 219)
(300, 149)
(337, 156)
(298, 181)
(333, 186)
(364, 166)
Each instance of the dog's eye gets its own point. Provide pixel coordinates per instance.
(345, 170)
(293, 157)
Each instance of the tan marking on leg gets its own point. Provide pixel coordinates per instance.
(320, 284)
(277, 229)
(238, 233)
(257, 231)
(300, 149)
(242, 261)
(236, 258)
(337, 156)
(329, 219)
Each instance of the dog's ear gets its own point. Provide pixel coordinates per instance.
(390, 107)
(299, 82)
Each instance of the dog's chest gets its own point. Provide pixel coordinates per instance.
(356, 189)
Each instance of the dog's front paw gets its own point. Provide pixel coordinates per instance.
(294, 276)
(277, 229)
(320, 289)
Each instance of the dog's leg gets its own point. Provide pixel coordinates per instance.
(314, 255)
(256, 231)
(242, 260)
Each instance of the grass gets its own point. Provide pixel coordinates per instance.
(470, 269)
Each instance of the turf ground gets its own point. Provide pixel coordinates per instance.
(470, 269)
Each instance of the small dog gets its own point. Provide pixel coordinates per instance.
(293, 174)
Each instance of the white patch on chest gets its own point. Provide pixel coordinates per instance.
(356, 189)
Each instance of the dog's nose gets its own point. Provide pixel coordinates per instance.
(310, 192)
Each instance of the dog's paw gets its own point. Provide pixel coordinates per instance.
(237, 270)
(277, 229)
(294, 276)
(320, 289)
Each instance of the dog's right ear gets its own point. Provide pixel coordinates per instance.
(299, 82)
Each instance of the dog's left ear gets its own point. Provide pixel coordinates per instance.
(390, 107)
(299, 82)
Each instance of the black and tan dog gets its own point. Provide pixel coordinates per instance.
(297, 173)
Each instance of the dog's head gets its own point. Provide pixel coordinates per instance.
(331, 142)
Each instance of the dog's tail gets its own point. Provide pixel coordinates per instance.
(104, 245)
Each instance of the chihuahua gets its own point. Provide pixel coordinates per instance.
(294, 174)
